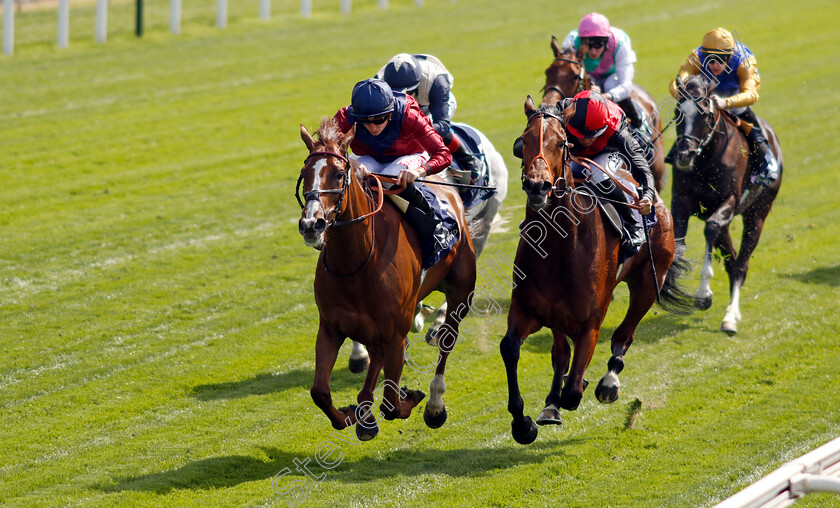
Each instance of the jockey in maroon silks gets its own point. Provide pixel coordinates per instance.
(394, 138)
(599, 131)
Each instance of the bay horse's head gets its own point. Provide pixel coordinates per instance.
(696, 119)
(565, 76)
(544, 151)
(325, 177)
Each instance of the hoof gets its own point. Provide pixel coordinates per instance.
(549, 416)
(608, 389)
(702, 303)
(526, 432)
(366, 433)
(358, 365)
(729, 328)
(434, 422)
(431, 337)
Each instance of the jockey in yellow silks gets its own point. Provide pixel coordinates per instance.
(733, 67)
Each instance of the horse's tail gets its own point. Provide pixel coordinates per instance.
(672, 297)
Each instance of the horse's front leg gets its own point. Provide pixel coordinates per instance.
(714, 224)
(327, 345)
(561, 354)
(520, 326)
(367, 425)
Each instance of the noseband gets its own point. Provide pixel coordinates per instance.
(316, 194)
(558, 192)
(703, 143)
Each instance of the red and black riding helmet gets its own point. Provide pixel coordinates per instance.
(590, 117)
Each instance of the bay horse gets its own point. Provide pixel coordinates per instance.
(712, 163)
(566, 76)
(570, 271)
(368, 282)
(481, 212)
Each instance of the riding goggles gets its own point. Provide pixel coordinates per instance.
(376, 120)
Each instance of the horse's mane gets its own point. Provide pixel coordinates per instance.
(328, 130)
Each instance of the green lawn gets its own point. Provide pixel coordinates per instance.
(157, 321)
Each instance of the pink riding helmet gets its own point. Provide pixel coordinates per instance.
(594, 25)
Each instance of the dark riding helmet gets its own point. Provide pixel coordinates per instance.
(403, 73)
(371, 98)
(590, 117)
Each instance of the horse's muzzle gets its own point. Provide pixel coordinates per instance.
(537, 191)
(312, 229)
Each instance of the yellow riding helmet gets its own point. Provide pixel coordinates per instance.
(718, 41)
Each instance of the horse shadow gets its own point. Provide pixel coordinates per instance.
(266, 383)
(206, 474)
(230, 471)
(828, 275)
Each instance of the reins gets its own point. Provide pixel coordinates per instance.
(580, 77)
(583, 161)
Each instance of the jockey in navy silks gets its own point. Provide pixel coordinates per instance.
(426, 79)
(733, 67)
(394, 138)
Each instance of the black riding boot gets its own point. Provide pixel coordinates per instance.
(634, 235)
(630, 110)
(467, 161)
(768, 166)
(419, 213)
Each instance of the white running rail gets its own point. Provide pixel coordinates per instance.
(816, 471)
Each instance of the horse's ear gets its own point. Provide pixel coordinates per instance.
(680, 83)
(347, 137)
(529, 105)
(555, 46)
(307, 138)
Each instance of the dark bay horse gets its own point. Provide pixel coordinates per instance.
(712, 163)
(570, 262)
(566, 76)
(367, 282)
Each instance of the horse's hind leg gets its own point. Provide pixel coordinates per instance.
(642, 296)
(519, 328)
(753, 224)
(561, 353)
(733, 312)
(359, 359)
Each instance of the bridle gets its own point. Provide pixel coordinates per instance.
(703, 143)
(334, 222)
(559, 186)
(580, 77)
(559, 191)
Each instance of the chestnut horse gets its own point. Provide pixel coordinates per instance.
(570, 272)
(566, 76)
(367, 282)
(712, 163)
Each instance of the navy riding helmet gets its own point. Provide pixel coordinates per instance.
(372, 97)
(403, 73)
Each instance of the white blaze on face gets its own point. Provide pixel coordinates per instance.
(313, 205)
